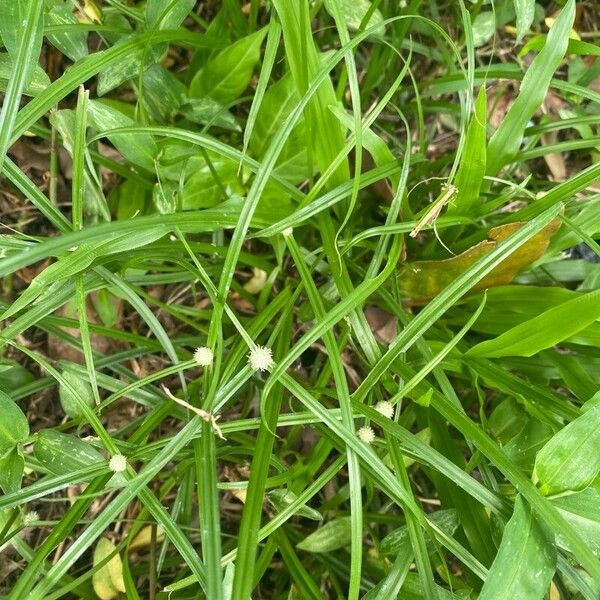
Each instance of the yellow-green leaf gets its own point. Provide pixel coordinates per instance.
(423, 280)
(332, 536)
(108, 579)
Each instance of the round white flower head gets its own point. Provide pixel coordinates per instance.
(30, 518)
(261, 358)
(204, 356)
(287, 231)
(385, 408)
(366, 434)
(117, 463)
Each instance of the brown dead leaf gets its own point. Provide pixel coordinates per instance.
(554, 160)
(383, 324)
(59, 349)
(499, 101)
(382, 188)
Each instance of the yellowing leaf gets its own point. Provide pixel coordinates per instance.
(142, 539)
(257, 282)
(423, 280)
(108, 579)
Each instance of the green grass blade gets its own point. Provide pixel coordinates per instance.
(26, 49)
(544, 331)
(508, 137)
(450, 295)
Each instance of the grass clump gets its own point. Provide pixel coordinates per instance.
(300, 300)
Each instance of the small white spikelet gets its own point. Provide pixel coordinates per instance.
(204, 356)
(366, 434)
(261, 358)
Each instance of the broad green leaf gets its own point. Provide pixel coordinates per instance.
(281, 499)
(278, 102)
(179, 161)
(525, 11)
(354, 12)
(90, 66)
(62, 453)
(570, 460)
(13, 375)
(209, 186)
(167, 14)
(543, 331)
(422, 280)
(15, 16)
(412, 589)
(71, 403)
(511, 305)
(228, 74)
(14, 428)
(130, 200)
(333, 535)
(523, 448)
(106, 306)
(108, 579)
(128, 66)
(581, 511)
(484, 27)
(119, 22)
(163, 92)
(469, 177)
(394, 542)
(188, 182)
(139, 148)
(11, 470)
(575, 46)
(71, 41)
(378, 149)
(507, 139)
(507, 420)
(39, 80)
(526, 559)
(378, 152)
(207, 110)
(165, 197)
